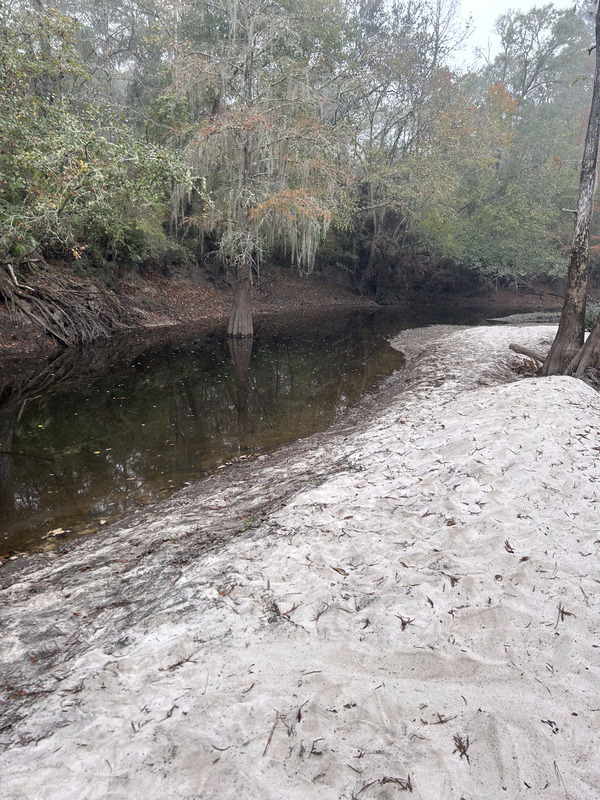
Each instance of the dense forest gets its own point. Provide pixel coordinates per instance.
(333, 134)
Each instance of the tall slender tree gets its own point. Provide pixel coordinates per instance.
(566, 354)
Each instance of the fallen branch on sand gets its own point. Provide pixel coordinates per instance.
(525, 351)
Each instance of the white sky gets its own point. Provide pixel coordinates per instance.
(486, 12)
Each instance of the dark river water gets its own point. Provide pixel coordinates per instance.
(98, 433)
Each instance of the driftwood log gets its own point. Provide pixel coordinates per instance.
(525, 351)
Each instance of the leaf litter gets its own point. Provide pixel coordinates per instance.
(167, 673)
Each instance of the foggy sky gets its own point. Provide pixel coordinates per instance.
(485, 14)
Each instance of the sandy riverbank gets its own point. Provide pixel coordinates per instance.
(407, 603)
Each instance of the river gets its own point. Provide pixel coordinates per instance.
(98, 433)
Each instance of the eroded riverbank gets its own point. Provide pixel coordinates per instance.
(404, 601)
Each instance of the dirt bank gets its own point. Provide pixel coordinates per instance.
(404, 603)
(159, 301)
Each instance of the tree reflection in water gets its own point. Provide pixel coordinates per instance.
(241, 351)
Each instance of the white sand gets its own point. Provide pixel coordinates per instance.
(418, 611)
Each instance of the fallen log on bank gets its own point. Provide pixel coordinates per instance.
(525, 351)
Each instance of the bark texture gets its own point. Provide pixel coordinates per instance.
(571, 329)
(240, 322)
(587, 356)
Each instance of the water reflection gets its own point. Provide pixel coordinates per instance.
(241, 350)
(97, 433)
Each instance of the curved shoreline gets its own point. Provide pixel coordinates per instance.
(162, 303)
(412, 587)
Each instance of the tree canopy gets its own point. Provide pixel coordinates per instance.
(338, 132)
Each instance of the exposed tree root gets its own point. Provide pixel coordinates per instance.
(70, 311)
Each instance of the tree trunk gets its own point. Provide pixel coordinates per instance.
(588, 355)
(571, 329)
(240, 322)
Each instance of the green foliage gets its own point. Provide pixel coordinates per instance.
(516, 225)
(73, 183)
(298, 121)
(169, 116)
(263, 138)
(592, 312)
(541, 52)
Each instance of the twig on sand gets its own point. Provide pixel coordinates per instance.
(441, 719)
(405, 785)
(169, 713)
(462, 745)
(286, 614)
(188, 660)
(316, 749)
(452, 578)
(271, 734)
(299, 712)
(561, 779)
(562, 613)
